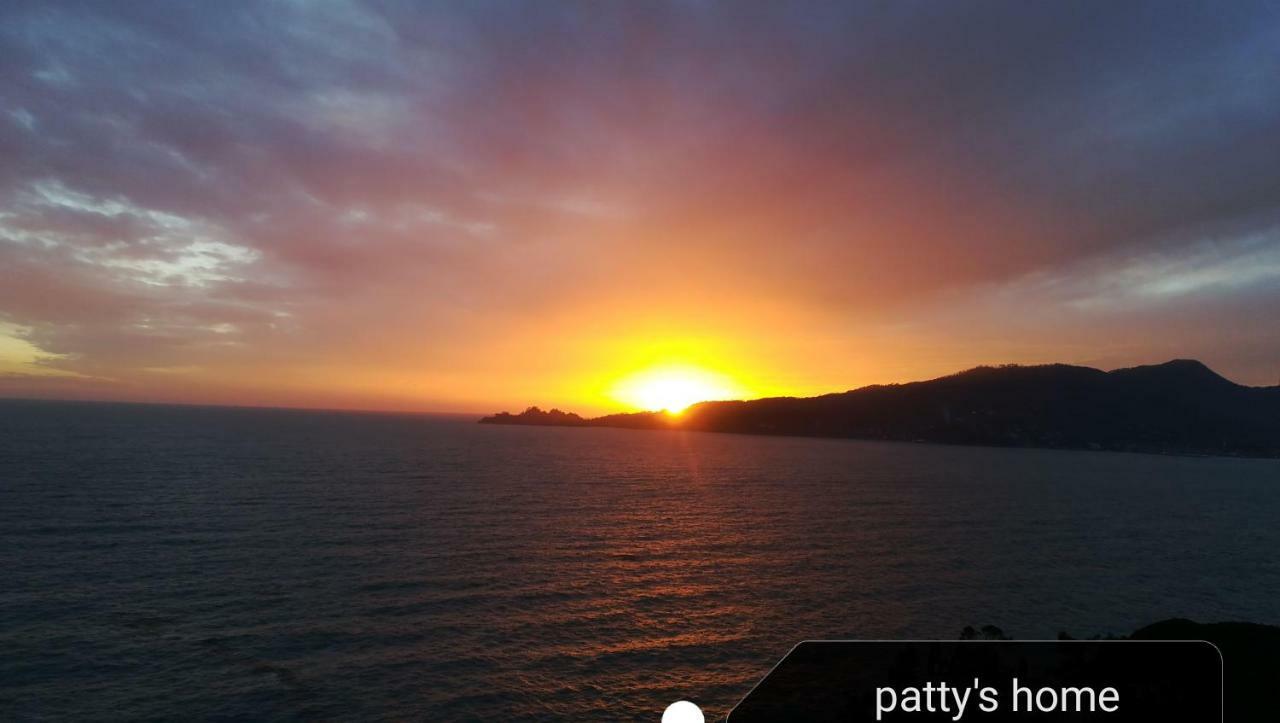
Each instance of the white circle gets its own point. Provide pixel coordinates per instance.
(682, 711)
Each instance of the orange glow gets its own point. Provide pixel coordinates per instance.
(673, 388)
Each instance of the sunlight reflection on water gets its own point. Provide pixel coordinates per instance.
(271, 564)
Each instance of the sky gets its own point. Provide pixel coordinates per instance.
(484, 205)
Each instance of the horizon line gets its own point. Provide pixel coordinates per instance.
(408, 412)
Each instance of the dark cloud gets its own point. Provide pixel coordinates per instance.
(289, 175)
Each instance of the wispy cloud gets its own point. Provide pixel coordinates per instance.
(393, 189)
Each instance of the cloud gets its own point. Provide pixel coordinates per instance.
(385, 187)
(1212, 265)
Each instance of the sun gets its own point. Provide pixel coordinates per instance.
(673, 388)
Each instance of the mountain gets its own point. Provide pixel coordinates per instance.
(1179, 407)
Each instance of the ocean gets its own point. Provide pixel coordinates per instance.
(164, 562)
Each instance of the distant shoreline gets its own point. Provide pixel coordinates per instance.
(903, 442)
(1179, 408)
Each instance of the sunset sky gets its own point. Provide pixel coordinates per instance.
(472, 206)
